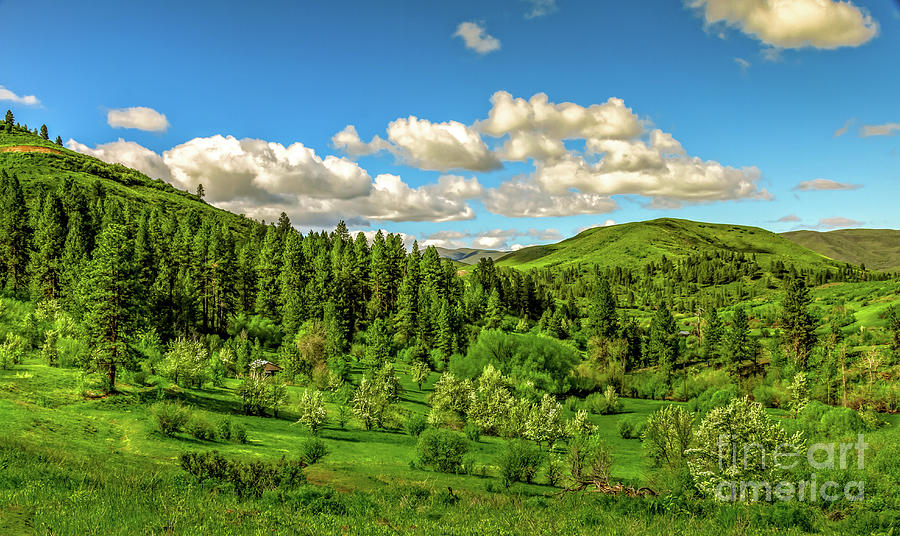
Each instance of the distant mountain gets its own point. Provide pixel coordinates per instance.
(469, 255)
(878, 249)
(636, 244)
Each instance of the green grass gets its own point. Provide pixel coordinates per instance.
(635, 244)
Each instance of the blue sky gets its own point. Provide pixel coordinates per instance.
(720, 109)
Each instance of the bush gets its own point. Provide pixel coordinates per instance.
(572, 403)
(248, 478)
(626, 429)
(472, 431)
(312, 450)
(140, 378)
(239, 433)
(415, 424)
(171, 417)
(606, 403)
(519, 461)
(200, 428)
(223, 429)
(442, 450)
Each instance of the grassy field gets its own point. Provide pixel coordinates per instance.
(97, 466)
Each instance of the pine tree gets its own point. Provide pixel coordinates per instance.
(408, 298)
(797, 322)
(494, 314)
(44, 133)
(59, 141)
(49, 243)
(712, 335)
(445, 338)
(291, 282)
(201, 191)
(603, 320)
(662, 345)
(378, 345)
(10, 119)
(267, 271)
(739, 346)
(14, 232)
(109, 301)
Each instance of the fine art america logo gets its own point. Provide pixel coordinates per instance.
(786, 457)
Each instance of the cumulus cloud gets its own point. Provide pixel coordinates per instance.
(476, 38)
(567, 120)
(887, 129)
(843, 130)
(837, 223)
(825, 184)
(440, 146)
(540, 8)
(681, 178)
(493, 239)
(826, 24)
(138, 117)
(27, 100)
(522, 198)
(127, 153)
(348, 141)
(261, 179)
(789, 218)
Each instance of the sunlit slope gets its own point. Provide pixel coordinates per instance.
(635, 244)
(878, 249)
(41, 166)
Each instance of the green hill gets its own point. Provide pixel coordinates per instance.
(635, 244)
(42, 165)
(878, 249)
(469, 255)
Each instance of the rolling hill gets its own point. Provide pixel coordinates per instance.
(635, 244)
(469, 255)
(42, 165)
(878, 249)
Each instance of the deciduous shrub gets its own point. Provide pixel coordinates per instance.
(519, 461)
(171, 417)
(415, 424)
(223, 429)
(472, 431)
(249, 479)
(442, 450)
(312, 450)
(239, 433)
(200, 428)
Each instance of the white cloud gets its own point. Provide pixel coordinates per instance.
(540, 8)
(493, 239)
(843, 130)
(27, 100)
(348, 141)
(519, 198)
(261, 179)
(789, 218)
(440, 146)
(567, 120)
(138, 117)
(127, 153)
(887, 129)
(824, 24)
(743, 64)
(476, 38)
(837, 223)
(685, 178)
(825, 184)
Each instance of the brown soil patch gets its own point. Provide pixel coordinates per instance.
(29, 149)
